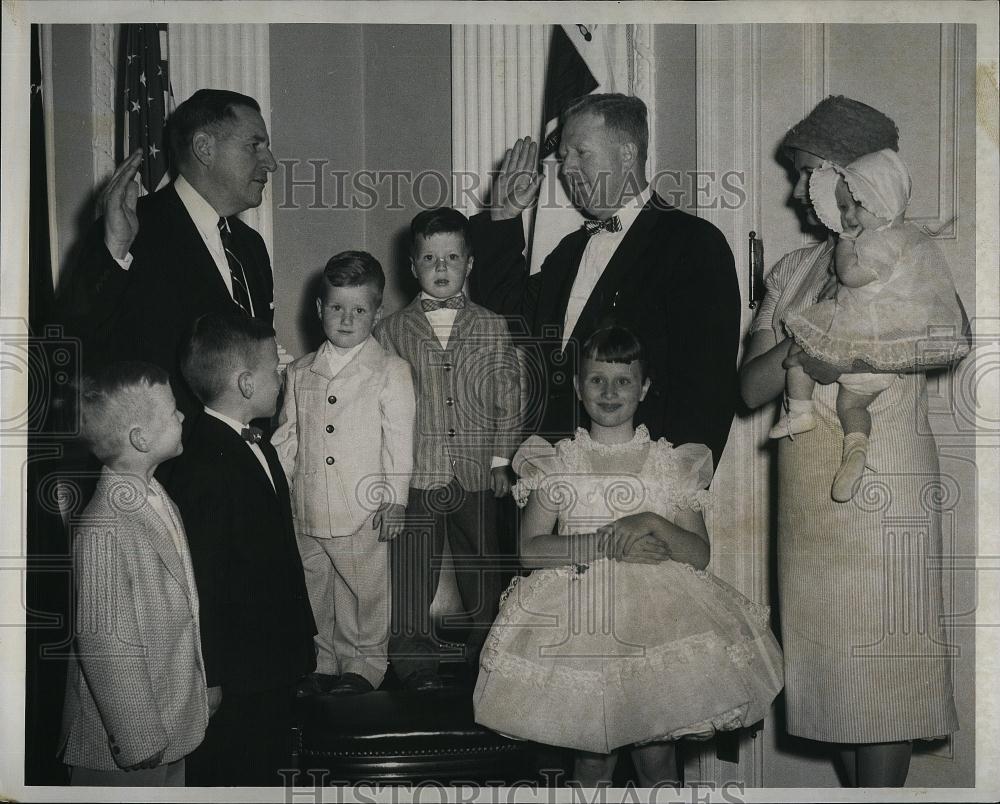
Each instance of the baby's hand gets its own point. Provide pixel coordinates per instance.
(500, 481)
(389, 519)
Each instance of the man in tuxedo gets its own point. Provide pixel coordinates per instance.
(256, 622)
(151, 266)
(666, 275)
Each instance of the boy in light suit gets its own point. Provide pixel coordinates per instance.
(136, 700)
(468, 417)
(345, 441)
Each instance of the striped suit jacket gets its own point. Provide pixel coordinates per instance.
(468, 395)
(136, 681)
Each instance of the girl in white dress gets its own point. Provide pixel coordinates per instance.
(619, 637)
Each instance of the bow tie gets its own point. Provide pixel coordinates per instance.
(454, 303)
(252, 435)
(612, 224)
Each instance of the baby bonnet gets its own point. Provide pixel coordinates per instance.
(879, 181)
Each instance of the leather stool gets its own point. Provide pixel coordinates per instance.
(399, 736)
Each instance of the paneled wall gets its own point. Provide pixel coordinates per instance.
(347, 99)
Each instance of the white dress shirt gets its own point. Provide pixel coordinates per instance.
(254, 448)
(337, 359)
(596, 256)
(155, 495)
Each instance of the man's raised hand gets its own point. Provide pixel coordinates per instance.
(516, 186)
(118, 201)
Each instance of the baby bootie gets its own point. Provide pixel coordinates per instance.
(799, 419)
(851, 467)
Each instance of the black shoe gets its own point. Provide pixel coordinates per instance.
(314, 684)
(350, 684)
(423, 681)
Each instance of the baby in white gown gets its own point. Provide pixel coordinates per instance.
(895, 307)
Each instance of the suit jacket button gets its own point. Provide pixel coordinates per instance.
(116, 749)
(329, 428)
(331, 399)
(447, 366)
(329, 461)
(449, 401)
(451, 432)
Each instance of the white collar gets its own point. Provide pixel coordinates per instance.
(630, 209)
(330, 353)
(205, 218)
(222, 417)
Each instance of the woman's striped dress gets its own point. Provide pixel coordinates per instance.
(866, 657)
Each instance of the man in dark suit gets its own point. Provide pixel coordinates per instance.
(256, 623)
(151, 266)
(666, 275)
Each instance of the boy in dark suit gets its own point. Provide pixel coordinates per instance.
(468, 412)
(257, 626)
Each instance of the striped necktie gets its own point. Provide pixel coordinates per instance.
(241, 293)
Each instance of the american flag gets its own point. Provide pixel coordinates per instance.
(146, 100)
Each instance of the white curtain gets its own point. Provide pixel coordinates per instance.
(234, 57)
(498, 84)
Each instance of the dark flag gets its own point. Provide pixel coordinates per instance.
(567, 78)
(145, 99)
(577, 65)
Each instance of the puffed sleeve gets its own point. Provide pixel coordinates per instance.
(534, 459)
(691, 468)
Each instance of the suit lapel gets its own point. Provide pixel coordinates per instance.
(280, 484)
(151, 527)
(603, 298)
(417, 327)
(237, 450)
(199, 264)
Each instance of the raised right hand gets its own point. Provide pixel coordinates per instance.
(516, 186)
(117, 205)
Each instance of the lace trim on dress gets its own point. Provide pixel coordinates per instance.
(759, 613)
(665, 493)
(730, 720)
(656, 661)
(882, 355)
(584, 442)
(616, 671)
